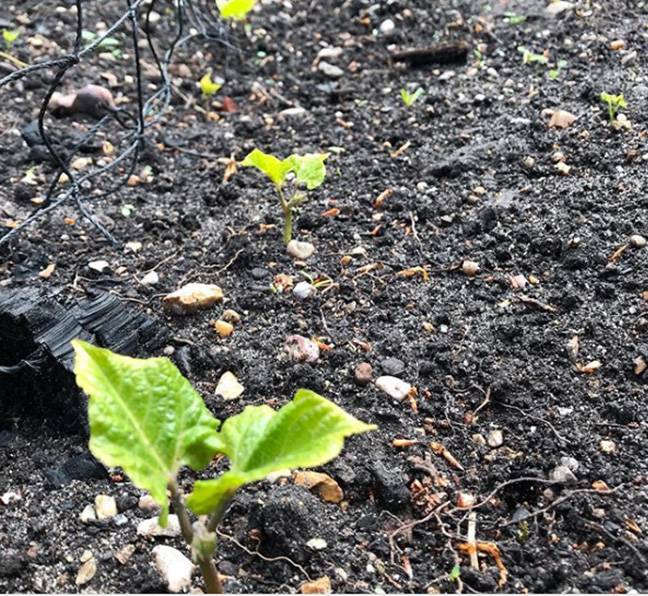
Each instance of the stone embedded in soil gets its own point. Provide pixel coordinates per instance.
(392, 366)
(150, 528)
(470, 268)
(105, 506)
(390, 487)
(151, 278)
(495, 438)
(301, 349)
(300, 250)
(317, 544)
(561, 119)
(304, 290)
(638, 241)
(87, 570)
(607, 446)
(563, 475)
(125, 553)
(148, 503)
(394, 387)
(88, 514)
(174, 568)
(223, 328)
(229, 387)
(99, 266)
(557, 7)
(572, 463)
(321, 585)
(387, 27)
(363, 374)
(231, 316)
(330, 70)
(192, 297)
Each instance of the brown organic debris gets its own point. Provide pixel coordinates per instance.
(321, 484)
(321, 585)
(561, 119)
(442, 53)
(192, 297)
(440, 450)
(491, 549)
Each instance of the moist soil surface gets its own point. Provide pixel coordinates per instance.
(530, 401)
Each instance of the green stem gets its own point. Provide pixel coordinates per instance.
(206, 564)
(287, 211)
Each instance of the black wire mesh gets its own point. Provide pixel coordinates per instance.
(200, 15)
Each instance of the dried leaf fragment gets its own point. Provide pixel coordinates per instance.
(491, 549)
(412, 271)
(321, 484)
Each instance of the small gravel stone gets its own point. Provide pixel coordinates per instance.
(330, 70)
(88, 514)
(147, 503)
(570, 462)
(231, 316)
(363, 374)
(638, 241)
(387, 27)
(301, 349)
(105, 506)
(98, 266)
(392, 366)
(300, 250)
(495, 438)
(393, 387)
(317, 544)
(607, 446)
(192, 297)
(174, 568)
(151, 278)
(150, 528)
(304, 290)
(86, 571)
(563, 475)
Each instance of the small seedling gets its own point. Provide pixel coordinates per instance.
(510, 18)
(409, 99)
(146, 418)
(614, 104)
(235, 9)
(9, 37)
(308, 170)
(554, 73)
(529, 57)
(208, 87)
(107, 44)
(455, 573)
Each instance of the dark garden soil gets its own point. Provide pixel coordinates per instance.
(472, 172)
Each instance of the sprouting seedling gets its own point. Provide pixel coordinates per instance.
(209, 87)
(554, 73)
(409, 99)
(9, 36)
(455, 573)
(510, 18)
(309, 171)
(235, 9)
(614, 104)
(529, 57)
(146, 418)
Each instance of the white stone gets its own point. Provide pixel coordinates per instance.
(105, 506)
(148, 503)
(229, 387)
(88, 514)
(174, 568)
(300, 250)
(394, 387)
(192, 297)
(637, 241)
(330, 70)
(317, 544)
(98, 265)
(151, 278)
(495, 438)
(150, 528)
(387, 27)
(304, 290)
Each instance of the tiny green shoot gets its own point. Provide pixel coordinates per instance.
(146, 418)
(529, 57)
(510, 18)
(522, 533)
(235, 9)
(409, 99)
(455, 573)
(209, 87)
(308, 170)
(614, 104)
(554, 73)
(9, 37)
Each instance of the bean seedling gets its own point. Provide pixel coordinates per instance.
(409, 99)
(308, 170)
(235, 9)
(209, 87)
(529, 57)
(9, 36)
(614, 104)
(146, 418)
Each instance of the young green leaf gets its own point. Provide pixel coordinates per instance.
(208, 87)
(10, 36)
(308, 431)
(309, 169)
(409, 99)
(235, 9)
(144, 417)
(271, 166)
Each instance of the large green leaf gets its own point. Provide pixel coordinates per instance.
(273, 167)
(309, 169)
(308, 431)
(144, 417)
(235, 9)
